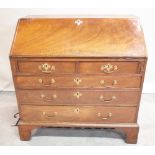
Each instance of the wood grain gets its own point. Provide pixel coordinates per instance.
(32, 82)
(88, 97)
(100, 37)
(122, 67)
(84, 114)
(33, 67)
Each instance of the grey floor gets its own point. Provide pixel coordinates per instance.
(70, 136)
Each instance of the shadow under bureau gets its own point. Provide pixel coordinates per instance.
(78, 72)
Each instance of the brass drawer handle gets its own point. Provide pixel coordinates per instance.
(107, 100)
(52, 81)
(54, 96)
(49, 115)
(77, 80)
(46, 68)
(102, 82)
(106, 117)
(77, 95)
(108, 68)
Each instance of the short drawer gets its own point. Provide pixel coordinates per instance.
(78, 97)
(104, 82)
(109, 67)
(78, 114)
(41, 67)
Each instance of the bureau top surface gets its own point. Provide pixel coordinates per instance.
(78, 37)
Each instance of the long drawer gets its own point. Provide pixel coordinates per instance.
(78, 97)
(48, 82)
(78, 114)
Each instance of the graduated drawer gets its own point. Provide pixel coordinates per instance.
(43, 67)
(78, 97)
(109, 67)
(48, 82)
(78, 114)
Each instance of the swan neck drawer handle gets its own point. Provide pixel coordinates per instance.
(102, 82)
(46, 68)
(47, 99)
(109, 68)
(107, 100)
(109, 115)
(52, 81)
(49, 115)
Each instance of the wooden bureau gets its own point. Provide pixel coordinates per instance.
(78, 72)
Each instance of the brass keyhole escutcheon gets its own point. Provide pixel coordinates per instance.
(78, 22)
(46, 66)
(77, 95)
(77, 80)
(77, 110)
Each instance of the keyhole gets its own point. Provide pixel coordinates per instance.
(77, 110)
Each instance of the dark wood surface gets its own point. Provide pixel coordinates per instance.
(86, 75)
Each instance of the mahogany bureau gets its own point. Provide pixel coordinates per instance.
(78, 72)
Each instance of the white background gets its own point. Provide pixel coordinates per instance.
(147, 17)
(8, 21)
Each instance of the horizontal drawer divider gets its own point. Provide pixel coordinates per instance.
(71, 88)
(89, 89)
(80, 105)
(81, 124)
(75, 74)
(79, 59)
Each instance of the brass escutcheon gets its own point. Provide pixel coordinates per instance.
(78, 22)
(77, 110)
(46, 68)
(109, 68)
(77, 95)
(77, 80)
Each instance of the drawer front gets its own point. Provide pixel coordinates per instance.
(42, 67)
(47, 82)
(78, 97)
(78, 114)
(109, 67)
